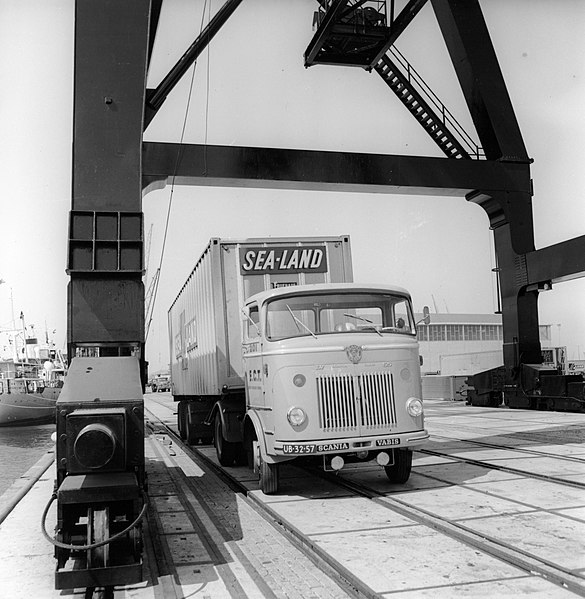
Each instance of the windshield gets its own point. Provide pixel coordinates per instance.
(342, 312)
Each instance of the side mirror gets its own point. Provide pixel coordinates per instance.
(426, 316)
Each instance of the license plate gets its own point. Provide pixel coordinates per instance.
(386, 442)
(298, 449)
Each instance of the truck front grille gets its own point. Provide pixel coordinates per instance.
(356, 402)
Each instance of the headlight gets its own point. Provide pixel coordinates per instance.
(414, 407)
(296, 416)
(299, 380)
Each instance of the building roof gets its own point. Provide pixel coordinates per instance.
(462, 318)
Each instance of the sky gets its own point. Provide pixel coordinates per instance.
(251, 88)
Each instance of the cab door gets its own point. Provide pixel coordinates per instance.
(252, 357)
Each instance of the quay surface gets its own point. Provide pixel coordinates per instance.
(204, 540)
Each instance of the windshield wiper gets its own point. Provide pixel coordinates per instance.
(299, 322)
(365, 320)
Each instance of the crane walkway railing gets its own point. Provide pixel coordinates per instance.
(426, 107)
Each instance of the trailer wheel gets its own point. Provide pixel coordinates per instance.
(182, 420)
(226, 451)
(399, 472)
(192, 438)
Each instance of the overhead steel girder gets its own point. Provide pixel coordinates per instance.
(277, 168)
(563, 261)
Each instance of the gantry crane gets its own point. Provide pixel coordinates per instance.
(113, 168)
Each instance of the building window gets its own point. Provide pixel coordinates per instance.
(454, 332)
(472, 332)
(489, 332)
(437, 332)
(422, 331)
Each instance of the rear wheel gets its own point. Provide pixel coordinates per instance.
(399, 472)
(190, 432)
(226, 451)
(182, 420)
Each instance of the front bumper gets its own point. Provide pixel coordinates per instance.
(292, 449)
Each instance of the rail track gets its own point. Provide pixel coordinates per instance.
(368, 493)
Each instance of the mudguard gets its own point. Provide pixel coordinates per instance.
(253, 418)
(231, 416)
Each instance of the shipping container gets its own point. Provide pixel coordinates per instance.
(205, 330)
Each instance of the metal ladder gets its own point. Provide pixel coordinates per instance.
(429, 111)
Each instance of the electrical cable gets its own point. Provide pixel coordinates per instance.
(92, 545)
(176, 168)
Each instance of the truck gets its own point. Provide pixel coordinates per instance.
(277, 355)
(160, 382)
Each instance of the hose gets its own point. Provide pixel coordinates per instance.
(93, 545)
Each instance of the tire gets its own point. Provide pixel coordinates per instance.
(191, 435)
(399, 472)
(153, 388)
(268, 474)
(182, 419)
(241, 455)
(226, 451)
(250, 442)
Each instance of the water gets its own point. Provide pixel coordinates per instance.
(20, 448)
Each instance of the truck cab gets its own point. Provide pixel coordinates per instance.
(332, 373)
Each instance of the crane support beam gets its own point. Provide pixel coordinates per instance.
(156, 97)
(277, 168)
(475, 62)
(557, 263)
(474, 59)
(106, 292)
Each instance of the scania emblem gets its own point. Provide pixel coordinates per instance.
(354, 353)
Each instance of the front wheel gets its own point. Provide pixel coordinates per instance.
(268, 474)
(226, 451)
(399, 472)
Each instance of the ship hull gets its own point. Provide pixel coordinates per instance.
(28, 409)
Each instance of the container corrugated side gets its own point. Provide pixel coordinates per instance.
(193, 333)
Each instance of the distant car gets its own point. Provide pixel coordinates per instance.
(160, 383)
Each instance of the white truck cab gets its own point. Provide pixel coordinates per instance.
(331, 371)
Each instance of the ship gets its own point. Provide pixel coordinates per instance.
(29, 393)
(30, 386)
